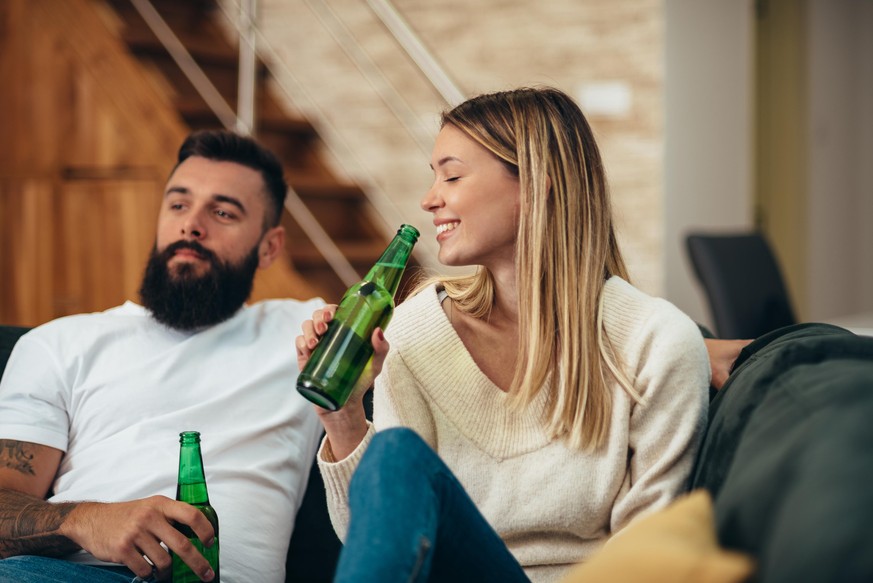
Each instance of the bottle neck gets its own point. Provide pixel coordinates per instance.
(389, 268)
(191, 486)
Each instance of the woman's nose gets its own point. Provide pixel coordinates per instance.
(431, 201)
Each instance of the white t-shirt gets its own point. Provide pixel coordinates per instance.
(113, 390)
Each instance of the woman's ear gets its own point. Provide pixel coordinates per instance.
(271, 246)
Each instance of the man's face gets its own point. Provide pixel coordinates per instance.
(220, 205)
(210, 241)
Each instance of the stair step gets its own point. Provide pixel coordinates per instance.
(362, 254)
(192, 25)
(340, 208)
(194, 110)
(314, 189)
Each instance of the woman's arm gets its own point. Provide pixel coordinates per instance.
(666, 429)
(346, 427)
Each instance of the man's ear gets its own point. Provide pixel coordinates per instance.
(271, 246)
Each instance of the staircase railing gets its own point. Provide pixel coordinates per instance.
(245, 122)
(253, 40)
(334, 139)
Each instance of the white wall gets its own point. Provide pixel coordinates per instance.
(840, 213)
(709, 132)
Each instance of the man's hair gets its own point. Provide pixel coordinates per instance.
(226, 146)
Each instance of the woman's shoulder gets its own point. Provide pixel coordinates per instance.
(633, 317)
(418, 317)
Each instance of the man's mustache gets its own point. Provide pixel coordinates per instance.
(171, 250)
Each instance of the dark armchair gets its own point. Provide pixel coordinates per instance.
(743, 283)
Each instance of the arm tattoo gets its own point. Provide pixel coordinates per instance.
(28, 525)
(15, 455)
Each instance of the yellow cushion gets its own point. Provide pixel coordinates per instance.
(675, 545)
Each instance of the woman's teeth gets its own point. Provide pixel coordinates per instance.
(446, 227)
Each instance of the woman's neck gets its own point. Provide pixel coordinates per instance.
(505, 310)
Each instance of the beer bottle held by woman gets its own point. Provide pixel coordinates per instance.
(191, 488)
(343, 352)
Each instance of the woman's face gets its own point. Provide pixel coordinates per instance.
(474, 201)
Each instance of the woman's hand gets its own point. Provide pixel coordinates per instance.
(312, 331)
(347, 426)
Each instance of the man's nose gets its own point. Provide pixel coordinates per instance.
(193, 227)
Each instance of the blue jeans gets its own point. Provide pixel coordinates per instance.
(33, 569)
(411, 520)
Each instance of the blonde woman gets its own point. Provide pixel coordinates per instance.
(538, 406)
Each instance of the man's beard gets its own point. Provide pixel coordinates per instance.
(187, 301)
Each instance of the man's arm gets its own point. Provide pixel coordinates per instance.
(722, 354)
(122, 532)
(28, 524)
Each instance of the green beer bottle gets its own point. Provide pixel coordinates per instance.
(345, 350)
(191, 488)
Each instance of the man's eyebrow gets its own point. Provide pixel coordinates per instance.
(445, 160)
(177, 190)
(215, 197)
(230, 200)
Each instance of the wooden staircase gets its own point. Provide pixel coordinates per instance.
(341, 208)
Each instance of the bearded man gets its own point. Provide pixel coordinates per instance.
(91, 406)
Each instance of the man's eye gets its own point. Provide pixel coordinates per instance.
(223, 214)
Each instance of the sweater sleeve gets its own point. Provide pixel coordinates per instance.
(397, 402)
(666, 428)
(337, 475)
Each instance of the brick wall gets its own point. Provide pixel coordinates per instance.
(484, 45)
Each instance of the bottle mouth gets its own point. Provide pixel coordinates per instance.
(409, 229)
(189, 436)
(314, 394)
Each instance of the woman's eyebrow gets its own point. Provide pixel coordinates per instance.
(445, 160)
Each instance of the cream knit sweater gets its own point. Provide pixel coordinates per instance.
(553, 506)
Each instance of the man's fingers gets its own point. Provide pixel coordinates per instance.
(136, 562)
(193, 518)
(178, 542)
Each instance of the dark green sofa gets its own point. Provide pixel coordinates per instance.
(788, 455)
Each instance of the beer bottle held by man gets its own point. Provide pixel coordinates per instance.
(191, 488)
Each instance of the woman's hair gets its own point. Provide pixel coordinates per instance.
(565, 250)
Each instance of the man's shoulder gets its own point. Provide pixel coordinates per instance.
(79, 323)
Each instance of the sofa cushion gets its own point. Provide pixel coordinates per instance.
(674, 545)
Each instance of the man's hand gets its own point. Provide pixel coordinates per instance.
(722, 355)
(128, 532)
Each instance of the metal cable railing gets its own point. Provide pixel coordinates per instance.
(409, 41)
(333, 138)
(252, 40)
(230, 120)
